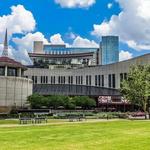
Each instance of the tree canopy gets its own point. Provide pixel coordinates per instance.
(56, 101)
(136, 88)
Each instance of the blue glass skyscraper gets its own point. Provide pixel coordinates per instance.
(110, 49)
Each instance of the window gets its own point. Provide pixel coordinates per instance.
(71, 79)
(2, 71)
(90, 80)
(76, 80)
(52, 79)
(95, 80)
(64, 80)
(59, 80)
(41, 79)
(125, 76)
(109, 80)
(87, 80)
(35, 79)
(102, 80)
(99, 80)
(113, 81)
(12, 72)
(121, 77)
(81, 80)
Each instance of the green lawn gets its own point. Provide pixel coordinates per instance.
(112, 135)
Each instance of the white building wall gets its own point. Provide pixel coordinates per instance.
(14, 91)
(116, 68)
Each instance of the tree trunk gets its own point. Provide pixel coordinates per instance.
(145, 115)
(144, 108)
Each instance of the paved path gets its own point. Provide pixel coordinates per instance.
(58, 123)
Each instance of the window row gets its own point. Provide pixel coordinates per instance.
(99, 80)
(79, 80)
(111, 81)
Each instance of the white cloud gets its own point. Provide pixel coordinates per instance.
(83, 42)
(77, 41)
(26, 42)
(75, 3)
(124, 55)
(132, 24)
(109, 5)
(19, 21)
(56, 39)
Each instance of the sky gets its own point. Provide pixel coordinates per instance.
(77, 23)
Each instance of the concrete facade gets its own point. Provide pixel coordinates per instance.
(14, 91)
(14, 88)
(112, 71)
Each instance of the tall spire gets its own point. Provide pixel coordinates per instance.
(5, 50)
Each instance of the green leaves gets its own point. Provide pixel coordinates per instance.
(55, 101)
(137, 86)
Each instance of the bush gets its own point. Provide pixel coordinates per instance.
(37, 101)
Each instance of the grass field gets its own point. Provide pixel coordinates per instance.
(111, 135)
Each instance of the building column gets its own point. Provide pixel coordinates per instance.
(19, 72)
(6, 68)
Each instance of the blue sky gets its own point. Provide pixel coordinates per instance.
(51, 17)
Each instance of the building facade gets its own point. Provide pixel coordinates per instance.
(14, 87)
(107, 76)
(106, 72)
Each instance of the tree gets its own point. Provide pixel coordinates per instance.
(55, 101)
(36, 101)
(68, 102)
(137, 86)
(84, 102)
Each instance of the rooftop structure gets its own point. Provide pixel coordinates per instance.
(52, 56)
(56, 55)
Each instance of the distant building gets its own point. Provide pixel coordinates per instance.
(50, 55)
(109, 49)
(58, 55)
(90, 67)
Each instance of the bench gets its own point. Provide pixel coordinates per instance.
(35, 120)
(75, 118)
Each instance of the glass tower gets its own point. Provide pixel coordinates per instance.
(110, 49)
